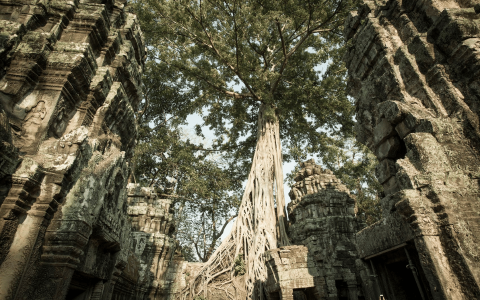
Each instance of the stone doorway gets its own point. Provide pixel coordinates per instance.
(81, 287)
(399, 276)
(305, 294)
(403, 282)
(342, 289)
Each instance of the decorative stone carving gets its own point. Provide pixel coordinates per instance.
(414, 72)
(162, 267)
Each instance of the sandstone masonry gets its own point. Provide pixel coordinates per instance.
(323, 222)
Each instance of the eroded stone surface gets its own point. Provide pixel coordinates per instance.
(70, 82)
(162, 267)
(414, 72)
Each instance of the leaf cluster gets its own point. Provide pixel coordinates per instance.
(199, 182)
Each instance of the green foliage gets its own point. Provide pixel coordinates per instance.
(233, 56)
(227, 58)
(187, 251)
(240, 268)
(354, 164)
(199, 183)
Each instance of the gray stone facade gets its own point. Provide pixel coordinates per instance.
(414, 73)
(70, 83)
(162, 267)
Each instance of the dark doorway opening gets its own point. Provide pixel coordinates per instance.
(342, 289)
(275, 296)
(80, 287)
(403, 281)
(305, 294)
(396, 275)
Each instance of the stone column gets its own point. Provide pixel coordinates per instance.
(110, 284)
(97, 292)
(27, 239)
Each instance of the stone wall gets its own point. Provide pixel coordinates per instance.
(414, 71)
(322, 220)
(70, 82)
(291, 270)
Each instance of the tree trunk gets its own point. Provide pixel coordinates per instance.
(256, 229)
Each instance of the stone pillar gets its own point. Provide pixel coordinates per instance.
(352, 290)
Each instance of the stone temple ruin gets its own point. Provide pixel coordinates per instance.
(71, 227)
(414, 70)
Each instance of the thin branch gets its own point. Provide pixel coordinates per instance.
(142, 112)
(302, 40)
(229, 93)
(281, 38)
(234, 70)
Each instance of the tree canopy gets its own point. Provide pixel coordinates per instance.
(233, 56)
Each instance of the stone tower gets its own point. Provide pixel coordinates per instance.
(414, 71)
(322, 225)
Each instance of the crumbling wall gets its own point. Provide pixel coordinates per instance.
(70, 81)
(414, 73)
(322, 214)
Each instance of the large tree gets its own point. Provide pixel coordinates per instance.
(254, 69)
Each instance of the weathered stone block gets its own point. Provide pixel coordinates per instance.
(383, 130)
(428, 67)
(390, 148)
(385, 169)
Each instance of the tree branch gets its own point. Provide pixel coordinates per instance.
(234, 70)
(229, 93)
(302, 40)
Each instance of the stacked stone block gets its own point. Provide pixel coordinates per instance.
(414, 72)
(162, 267)
(291, 268)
